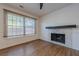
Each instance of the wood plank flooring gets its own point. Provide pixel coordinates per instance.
(38, 48)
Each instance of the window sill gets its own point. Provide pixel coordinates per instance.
(19, 36)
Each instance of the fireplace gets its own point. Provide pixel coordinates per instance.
(58, 37)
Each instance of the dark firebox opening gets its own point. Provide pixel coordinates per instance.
(58, 37)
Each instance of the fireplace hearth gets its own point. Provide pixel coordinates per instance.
(58, 37)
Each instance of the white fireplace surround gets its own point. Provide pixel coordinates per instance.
(71, 37)
(68, 36)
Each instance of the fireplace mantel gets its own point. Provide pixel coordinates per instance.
(63, 26)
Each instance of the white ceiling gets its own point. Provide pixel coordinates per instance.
(34, 8)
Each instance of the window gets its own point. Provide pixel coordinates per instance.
(19, 25)
(29, 26)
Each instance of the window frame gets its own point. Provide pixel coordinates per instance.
(6, 23)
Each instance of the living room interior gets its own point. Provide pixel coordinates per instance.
(39, 29)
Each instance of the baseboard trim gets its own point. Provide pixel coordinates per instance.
(60, 45)
(18, 44)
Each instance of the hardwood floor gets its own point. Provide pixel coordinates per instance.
(38, 48)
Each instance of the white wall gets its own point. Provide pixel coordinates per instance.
(7, 42)
(64, 16)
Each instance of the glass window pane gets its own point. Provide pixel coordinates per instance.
(9, 22)
(20, 21)
(29, 26)
(17, 23)
(14, 21)
(10, 19)
(14, 31)
(10, 30)
(20, 30)
(29, 31)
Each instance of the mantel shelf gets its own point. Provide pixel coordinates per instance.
(59, 27)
